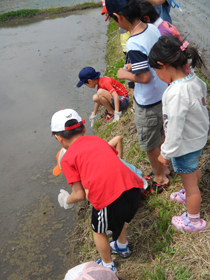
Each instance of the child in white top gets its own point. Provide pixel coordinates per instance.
(186, 123)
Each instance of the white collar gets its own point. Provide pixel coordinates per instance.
(158, 22)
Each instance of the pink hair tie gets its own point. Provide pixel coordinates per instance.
(184, 46)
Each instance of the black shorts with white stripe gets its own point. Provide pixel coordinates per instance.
(114, 216)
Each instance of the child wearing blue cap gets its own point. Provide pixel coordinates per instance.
(148, 87)
(110, 93)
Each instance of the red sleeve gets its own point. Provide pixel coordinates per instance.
(70, 173)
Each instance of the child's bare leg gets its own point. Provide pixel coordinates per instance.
(102, 244)
(132, 92)
(165, 169)
(121, 245)
(116, 142)
(122, 237)
(105, 99)
(97, 103)
(157, 167)
(193, 196)
(198, 175)
(191, 220)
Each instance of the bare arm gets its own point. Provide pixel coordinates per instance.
(116, 142)
(78, 193)
(164, 161)
(142, 78)
(96, 106)
(116, 101)
(157, 2)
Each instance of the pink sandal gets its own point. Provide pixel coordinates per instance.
(179, 196)
(183, 223)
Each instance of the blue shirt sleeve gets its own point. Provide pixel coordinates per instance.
(164, 10)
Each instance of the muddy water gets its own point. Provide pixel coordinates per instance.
(40, 62)
(194, 25)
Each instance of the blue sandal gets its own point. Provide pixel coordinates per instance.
(124, 253)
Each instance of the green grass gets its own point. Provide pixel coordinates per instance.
(114, 57)
(160, 272)
(28, 13)
(135, 155)
(19, 14)
(106, 132)
(161, 231)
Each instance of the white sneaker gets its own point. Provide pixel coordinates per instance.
(112, 267)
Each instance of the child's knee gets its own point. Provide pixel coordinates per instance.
(95, 97)
(102, 92)
(119, 138)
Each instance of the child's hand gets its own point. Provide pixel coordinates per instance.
(116, 116)
(92, 119)
(121, 74)
(128, 67)
(62, 197)
(164, 161)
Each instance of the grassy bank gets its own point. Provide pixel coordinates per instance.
(159, 252)
(31, 13)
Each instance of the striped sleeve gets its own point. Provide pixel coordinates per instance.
(139, 61)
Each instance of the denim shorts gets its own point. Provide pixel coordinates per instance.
(123, 102)
(187, 163)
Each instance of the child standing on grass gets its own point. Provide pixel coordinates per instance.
(148, 89)
(150, 15)
(110, 93)
(186, 123)
(163, 8)
(111, 187)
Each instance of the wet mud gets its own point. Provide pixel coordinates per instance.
(194, 26)
(40, 62)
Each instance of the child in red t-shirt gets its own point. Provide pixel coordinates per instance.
(111, 187)
(110, 93)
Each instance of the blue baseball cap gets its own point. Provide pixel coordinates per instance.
(114, 6)
(87, 73)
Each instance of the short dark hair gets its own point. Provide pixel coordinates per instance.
(67, 134)
(167, 51)
(132, 12)
(147, 9)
